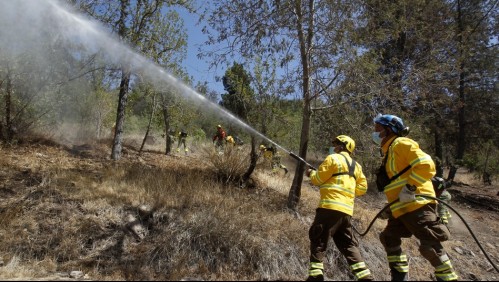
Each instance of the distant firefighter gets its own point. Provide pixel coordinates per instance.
(219, 137)
(182, 137)
(234, 140)
(271, 154)
(440, 186)
(230, 140)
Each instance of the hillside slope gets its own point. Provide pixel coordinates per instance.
(157, 217)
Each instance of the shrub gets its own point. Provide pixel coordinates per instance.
(230, 163)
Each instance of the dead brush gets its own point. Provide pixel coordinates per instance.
(220, 234)
(15, 269)
(229, 164)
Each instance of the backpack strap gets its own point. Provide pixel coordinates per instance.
(400, 173)
(351, 169)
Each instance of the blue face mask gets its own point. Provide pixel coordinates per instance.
(377, 138)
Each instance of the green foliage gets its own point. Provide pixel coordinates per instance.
(485, 160)
(239, 98)
(135, 124)
(49, 92)
(198, 135)
(284, 123)
(431, 63)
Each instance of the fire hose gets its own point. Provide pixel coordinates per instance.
(298, 158)
(442, 202)
(419, 195)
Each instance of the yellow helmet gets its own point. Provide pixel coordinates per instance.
(262, 147)
(346, 141)
(219, 126)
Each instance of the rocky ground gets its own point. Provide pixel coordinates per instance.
(478, 205)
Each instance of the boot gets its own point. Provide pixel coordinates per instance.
(448, 275)
(398, 276)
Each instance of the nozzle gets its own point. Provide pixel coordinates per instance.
(296, 157)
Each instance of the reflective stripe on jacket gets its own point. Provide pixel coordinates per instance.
(404, 152)
(338, 192)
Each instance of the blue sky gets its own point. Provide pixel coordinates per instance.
(198, 68)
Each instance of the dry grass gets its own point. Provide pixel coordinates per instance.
(198, 226)
(158, 217)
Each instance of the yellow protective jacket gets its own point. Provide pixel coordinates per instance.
(401, 153)
(338, 192)
(230, 140)
(268, 154)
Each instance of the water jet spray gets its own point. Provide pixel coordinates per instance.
(291, 154)
(73, 27)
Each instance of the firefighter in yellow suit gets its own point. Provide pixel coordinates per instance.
(340, 180)
(410, 171)
(230, 140)
(272, 155)
(440, 185)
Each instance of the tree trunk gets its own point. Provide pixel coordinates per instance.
(149, 123)
(486, 175)
(124, 86)
(120, 115)
(461, 122)
(305, 47)
(253, 160)
(166, 118)
(98, 130)
(9, 132)
(439, 155)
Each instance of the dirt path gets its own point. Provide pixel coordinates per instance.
(478, 207)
